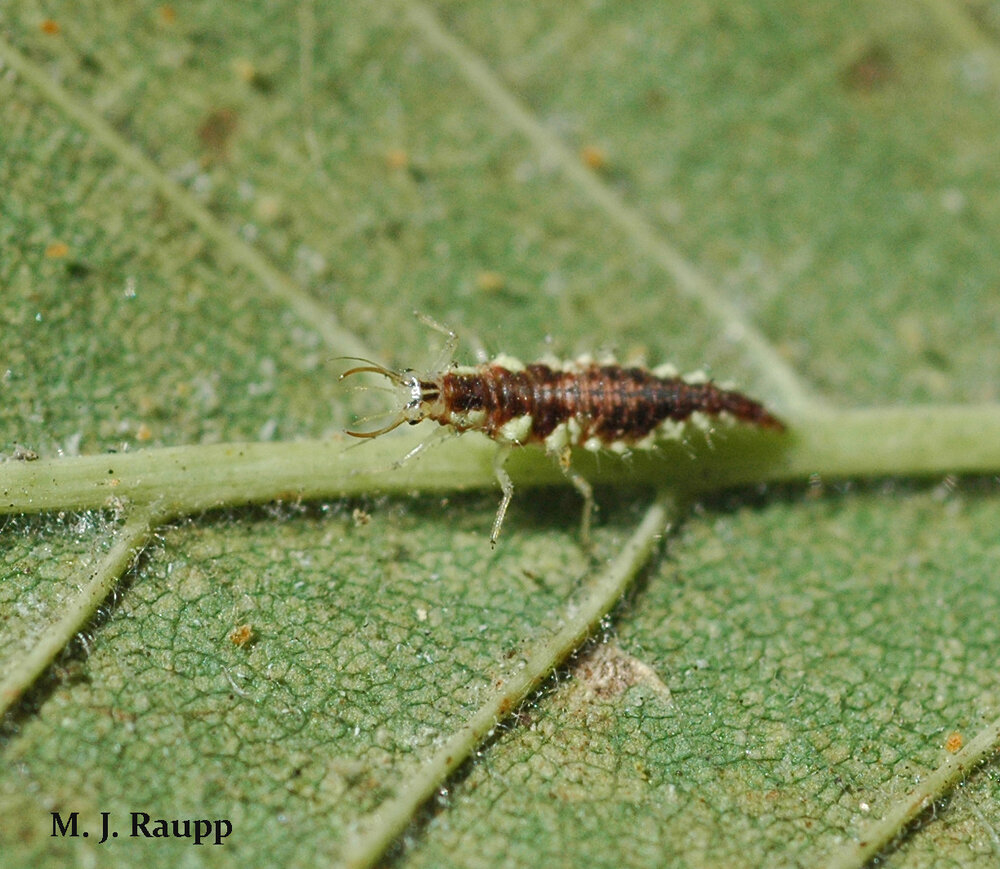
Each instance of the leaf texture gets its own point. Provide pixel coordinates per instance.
(203, 204)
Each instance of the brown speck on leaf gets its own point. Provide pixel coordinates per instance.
(268, 208)
(655, 98)
(594, 157)
(397, 158)
(24, 454)
(147, 404)
(123, 715)
(216, 132)
(57, 250)
(245, 70)
(50, 27)
(241, 635)
(360, 517)
(250, 74)
(872, 69)
(490, 282)
(168, 15)
(954, 742)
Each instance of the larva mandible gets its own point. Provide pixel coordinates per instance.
(560, 405)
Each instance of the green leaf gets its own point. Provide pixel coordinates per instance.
(202, 205)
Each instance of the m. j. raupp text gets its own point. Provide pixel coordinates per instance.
(200, 831)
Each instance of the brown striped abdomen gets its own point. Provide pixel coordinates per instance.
(609, 402)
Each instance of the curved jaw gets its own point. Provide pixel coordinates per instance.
(398, 378)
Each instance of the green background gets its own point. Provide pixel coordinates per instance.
(791, 666)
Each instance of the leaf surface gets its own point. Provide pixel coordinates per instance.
(203, 204)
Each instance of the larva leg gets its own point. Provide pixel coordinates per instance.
(431, 440)
(478, 349)
(447, 354)
(506, 486)
(582, 485)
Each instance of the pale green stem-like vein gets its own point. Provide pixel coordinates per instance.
(879, 834)
(95, 582)
(911, 441)
(582, 616)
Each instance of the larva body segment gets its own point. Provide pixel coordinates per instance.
(561, 406)
(596, 407)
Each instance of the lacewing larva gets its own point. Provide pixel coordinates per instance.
(559, 405)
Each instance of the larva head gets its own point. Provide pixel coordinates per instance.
(412, 392)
